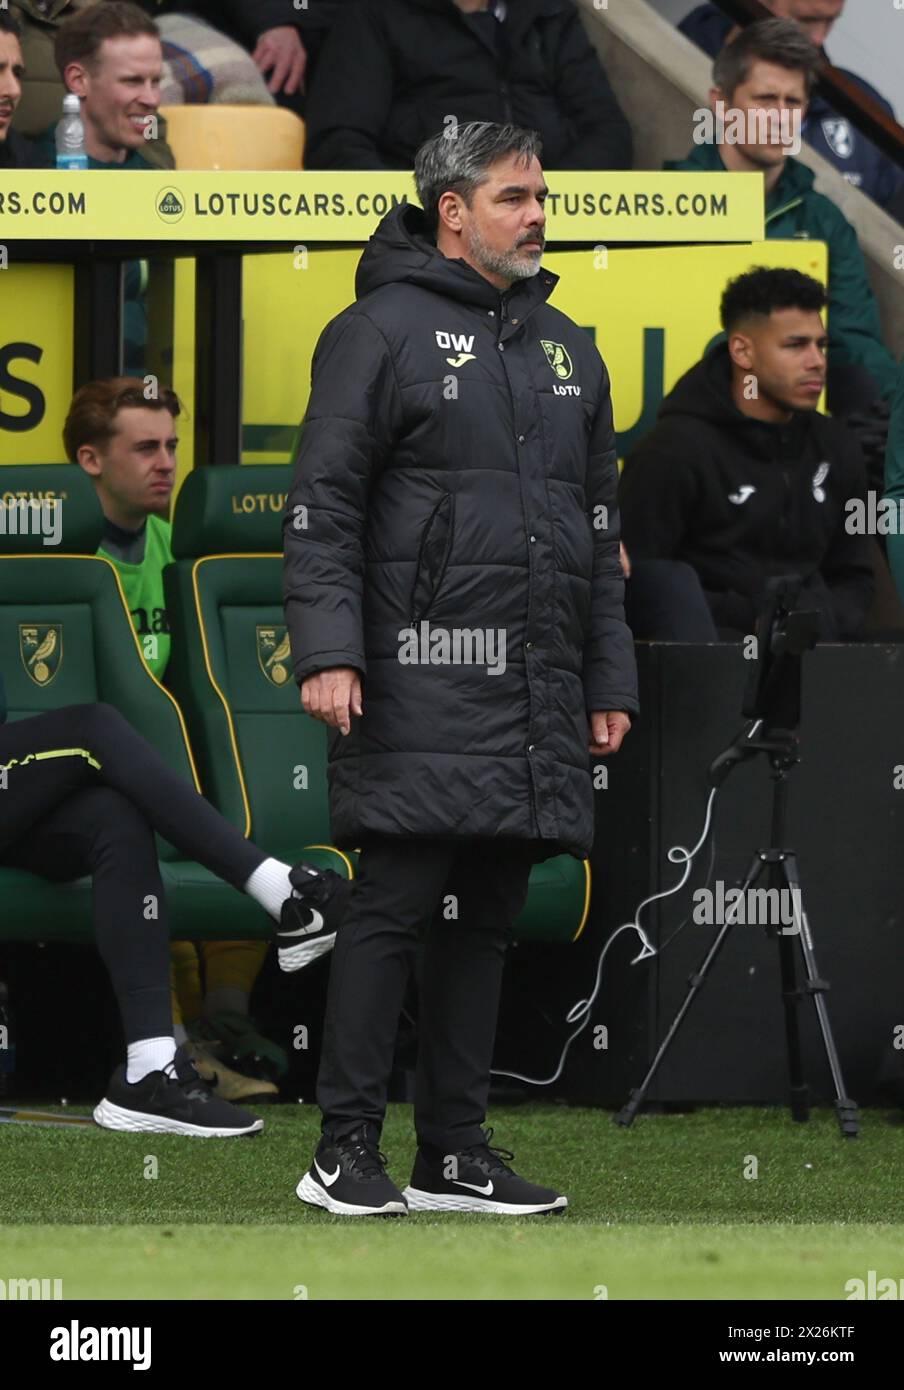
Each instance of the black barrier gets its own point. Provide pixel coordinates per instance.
(846, 823)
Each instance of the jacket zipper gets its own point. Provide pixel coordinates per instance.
(503, 317)
(777, 212)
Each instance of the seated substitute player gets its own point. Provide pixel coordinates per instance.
(83, 793)
(126, 443)
(742, 478)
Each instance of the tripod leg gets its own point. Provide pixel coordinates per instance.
(845, 1108)
(695, 983)
(790, 1000)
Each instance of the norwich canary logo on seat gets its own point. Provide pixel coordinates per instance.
(274, 653)
(557, 356)
(41, 649)
(170, 205)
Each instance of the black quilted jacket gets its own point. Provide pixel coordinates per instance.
(456, 452)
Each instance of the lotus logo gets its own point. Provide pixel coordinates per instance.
(557, 356)
(170, 205)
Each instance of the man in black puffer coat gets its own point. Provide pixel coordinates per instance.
(451, 544)
(394, 72)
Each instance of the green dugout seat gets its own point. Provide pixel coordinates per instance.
(62, 597)
(262, 761)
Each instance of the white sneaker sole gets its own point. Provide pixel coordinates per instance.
(316, 1196)
(110, 1116)
(292, 958)
(448, 1201)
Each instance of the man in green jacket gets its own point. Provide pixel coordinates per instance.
(771, 67)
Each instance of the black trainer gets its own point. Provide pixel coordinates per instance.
(476, 1179)
(348, 1177)
(172, 1101)
(309, 919)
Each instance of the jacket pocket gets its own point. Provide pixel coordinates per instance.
(433, 556)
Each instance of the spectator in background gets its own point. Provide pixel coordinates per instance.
(126, 443)
(831, 135)
(771, 67)
(111, 57)
(42, 98)
(15, 151)
(392, 73)
(283, 39)
(742, 478)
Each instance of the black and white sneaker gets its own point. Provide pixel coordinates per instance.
(348, 1178)
(476, 1179)
(172, 1101)
(307, 927)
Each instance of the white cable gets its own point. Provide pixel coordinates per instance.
(676, 855)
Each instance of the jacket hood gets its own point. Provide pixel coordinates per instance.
(401, 251)
(705, 393)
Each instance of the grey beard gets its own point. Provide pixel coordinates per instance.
(505, 263)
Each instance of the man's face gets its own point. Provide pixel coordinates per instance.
(121, 89)
(815, 17)
(768, 89)
(786, 354)
(135, 472)
(11, 70)
(504, 230)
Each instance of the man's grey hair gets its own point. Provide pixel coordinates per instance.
(458, 159)
(778, 41)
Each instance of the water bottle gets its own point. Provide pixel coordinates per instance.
(70, 136)
(7, 1043)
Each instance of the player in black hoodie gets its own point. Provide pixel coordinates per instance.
(742, 478)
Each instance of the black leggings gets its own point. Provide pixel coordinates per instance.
(84, 794)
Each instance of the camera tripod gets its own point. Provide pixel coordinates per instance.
(773, 702)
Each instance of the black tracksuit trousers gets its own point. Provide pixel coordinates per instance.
(82, 793)
(460, 898)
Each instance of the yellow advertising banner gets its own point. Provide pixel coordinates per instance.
(189, 206)
(652, 313)
(35, 361)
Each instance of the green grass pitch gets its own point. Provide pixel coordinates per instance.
(660, 1211)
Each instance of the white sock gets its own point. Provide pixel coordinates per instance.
(269, 885)
(180, 1034)
(150, 1054)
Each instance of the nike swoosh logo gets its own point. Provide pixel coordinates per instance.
(328, 1178)
(311, 927)
(486, 1191)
